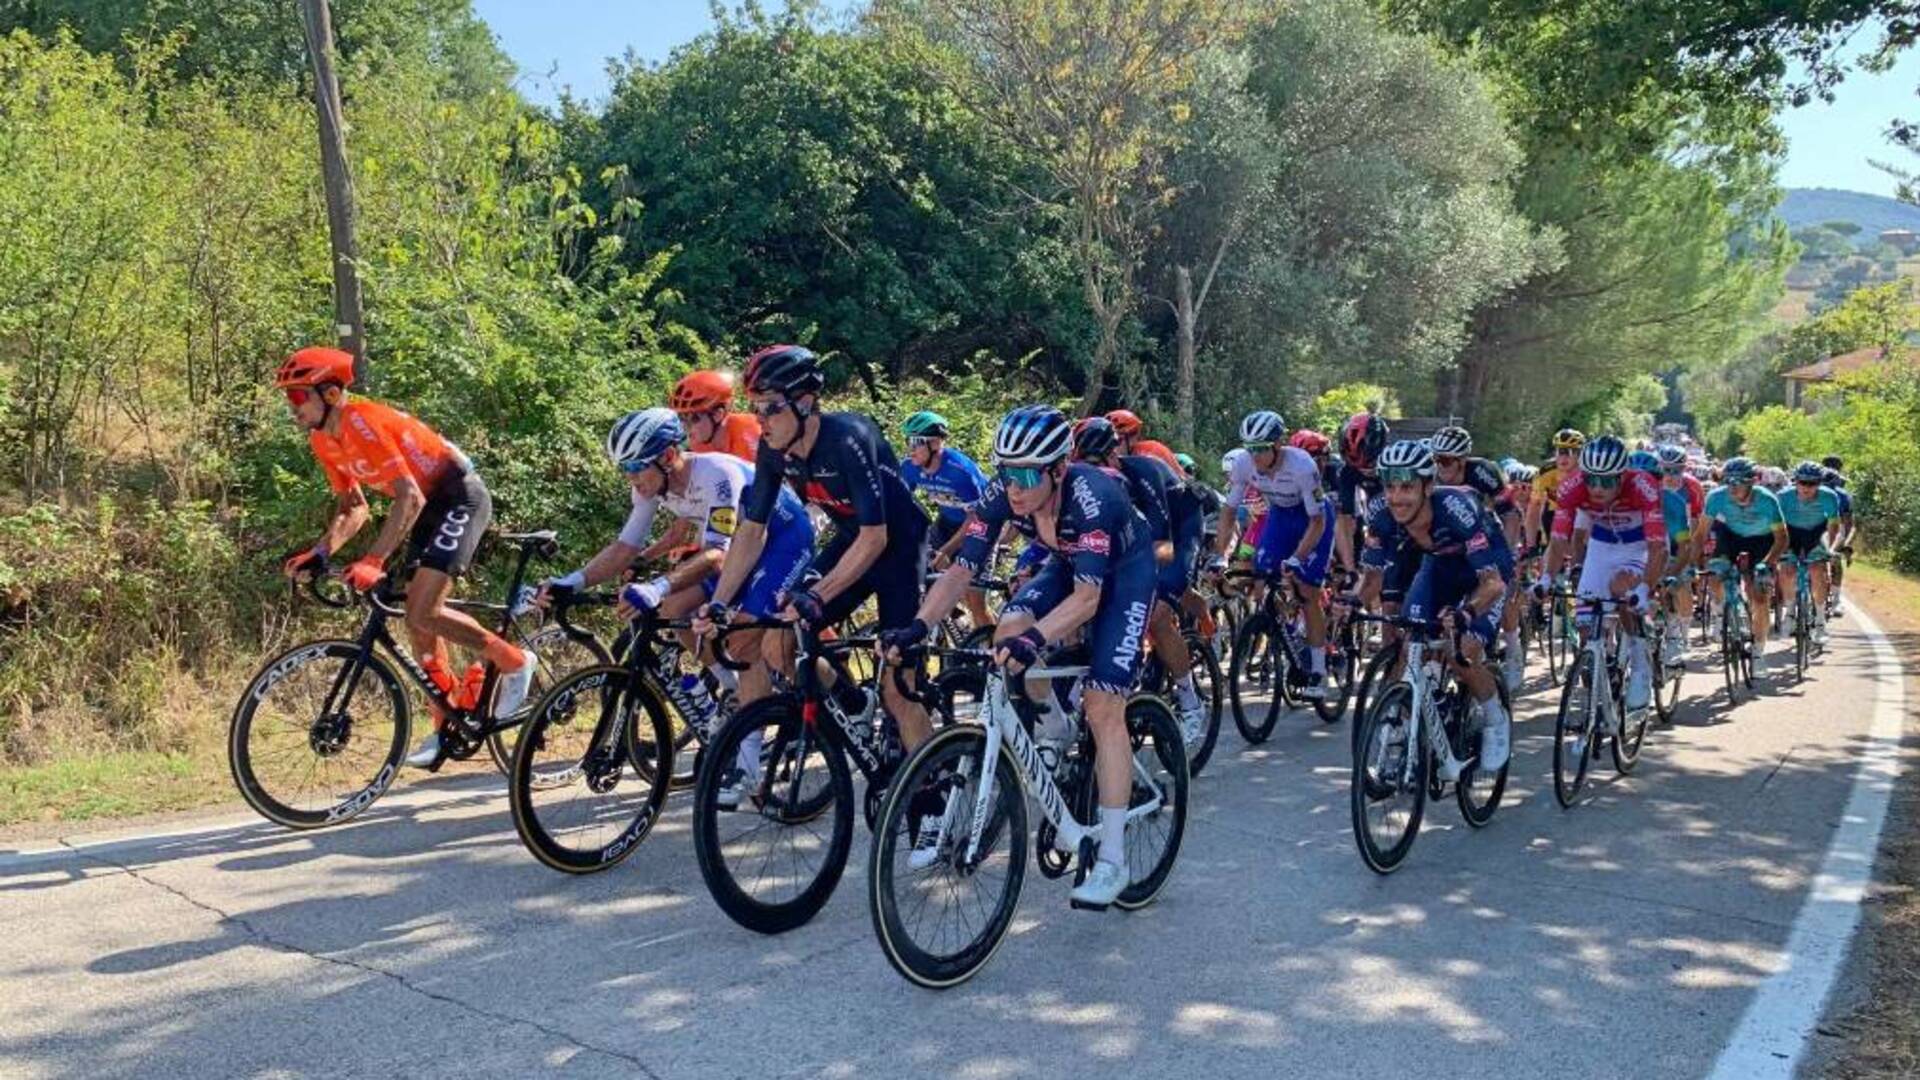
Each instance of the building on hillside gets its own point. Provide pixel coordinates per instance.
(1906, 240)
(1801, 378)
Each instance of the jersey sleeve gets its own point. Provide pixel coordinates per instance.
(860, 461)
(769, 471)
(1563, 520)
(639, 524)
(338, 479)
(1239, 477)
(1460, 513)
(1101, 522)
(985, 519)
(1646, 496)
(1382, 533)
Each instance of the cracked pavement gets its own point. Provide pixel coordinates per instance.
(423, 941)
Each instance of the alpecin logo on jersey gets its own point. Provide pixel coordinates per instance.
(1477, 542)
(1084, 498)
(1094, 542)
(976, 528)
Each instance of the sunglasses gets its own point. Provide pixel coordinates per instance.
(1604, 483)
(298, 396)
(1674, 470)
(1025, 477)
(1807, 483)
(1566, 451)
(1447, 460)
(915, 442)
(1258, 448)
(1400, 476)
(766, 409)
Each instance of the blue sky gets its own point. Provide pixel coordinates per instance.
(566, 43)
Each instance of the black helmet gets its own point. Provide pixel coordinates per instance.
(1094, 437)
(784, 369)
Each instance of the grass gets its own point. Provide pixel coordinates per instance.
(1881, 1036)
(112, 785)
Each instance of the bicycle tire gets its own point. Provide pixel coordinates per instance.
(1338, 685)
(1802, 636)
(1152, 729)
(1369, 787)
(319, 732)
(609, 831)
(1255, 645)
(1558, 660)
(1478, 806)
(1626, 742)
(548, 642)
(1667, 678)
(935, 765)
(1573, 735)
(794, 750)
(1377, 665)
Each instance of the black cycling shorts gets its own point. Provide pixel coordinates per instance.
(1730, 545)
(1808, 541)
(447, 532)
(895, 578)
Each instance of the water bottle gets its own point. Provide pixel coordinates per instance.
(471, 684)
(697, 706)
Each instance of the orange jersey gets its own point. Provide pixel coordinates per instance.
(1160, 450)
(378, 445)
(738, 435)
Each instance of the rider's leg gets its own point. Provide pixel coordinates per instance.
(975, 601)
(429, 618)
(1496, 729)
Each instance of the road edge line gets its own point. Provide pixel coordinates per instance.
(1777, 1028)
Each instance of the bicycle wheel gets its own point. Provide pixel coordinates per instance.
(1667, 677)
(1730, 654)
(1342, 659)
(1558, 659)
(1377, 666)
(1259, 667)
(318, 734)
(581, 801)
(1388, 793)
(1802, 635)
(1633, 732)
(958, 693)
(1213, 693)
(1160, 775)
(940, 923)
(1573, 733)
(773, 861)
(1479, 792)
(561, 654)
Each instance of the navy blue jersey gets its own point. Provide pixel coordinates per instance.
(1461, 529)
(851, 475)
(1350, 484)
(1098, 528)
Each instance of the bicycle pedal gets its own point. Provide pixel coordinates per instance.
(1080, 905)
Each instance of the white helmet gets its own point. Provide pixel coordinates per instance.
(1032, 435)
(1452, 442)
(1262, 427)
(639, 438)
(1413, 454)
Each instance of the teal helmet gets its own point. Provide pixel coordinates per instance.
(1644, 460)
(1186, 463)
(925, 424)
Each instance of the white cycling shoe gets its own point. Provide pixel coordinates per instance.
(1102, 887)
(428, 752)
(1193, 717)
(929, 843)
(512, 691)
(1673, 650)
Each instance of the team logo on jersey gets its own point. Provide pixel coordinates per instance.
(1477, 542)
(1085, 499)
(722, 521)
(976, 528)
(1094, 542)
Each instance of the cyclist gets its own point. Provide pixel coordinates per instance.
(1130, 430)
(1173, 521)
(1318, 448)
(1745, 519)
(1843, 533)
(1519, 478)
(840, 463)
(704, 401)
(1361, 439)
(1297, 540)
(1461, 576)
(951, 482)
(440, 508)
(1811, 510)
(1682, 500)
(1620, 511)
(1563, 469)
(1098, 573)
(1210, 503)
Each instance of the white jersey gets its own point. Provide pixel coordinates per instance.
(1294, 483)
(715, 483)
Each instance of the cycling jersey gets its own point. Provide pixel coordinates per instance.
(1678, 516)
(379, 444)
(957, 484)
(851, 475)
(1761, 515)
(1846, 502)
(1350, 484)
(1292, 486)
(1634, 514)
(1155, 449)
(1098, 537)
(1547, 485)
(1280, 541)
(1815, 513)
(738, 434)
(1463, 541)
(715, 484)
(1486, 480)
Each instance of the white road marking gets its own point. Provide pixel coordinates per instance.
(1774, 1033)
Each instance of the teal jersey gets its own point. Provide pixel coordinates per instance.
(1673, 507)
(1814, 513)
(1758, 518)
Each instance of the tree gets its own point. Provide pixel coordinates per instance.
(1098, 92)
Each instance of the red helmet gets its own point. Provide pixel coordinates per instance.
(702, 391)
(315, 365)
(1311, 441)
(1125, 423)
(1362, 439)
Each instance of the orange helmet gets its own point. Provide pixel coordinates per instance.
(1125, 423)
(701, 391)
(314, 365)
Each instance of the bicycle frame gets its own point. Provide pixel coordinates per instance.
(1004, 727)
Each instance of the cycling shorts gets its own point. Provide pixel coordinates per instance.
(895, 578)
(447, 532)
(1118, 628)
(1172, 578)
(1281, 538)
(1441, 583)
(788, 550)
(1605, 559)
(1809, 542)
(1728, 546)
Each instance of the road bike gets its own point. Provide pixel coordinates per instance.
(1809, 619)
(1593, 700)
(1420, 729)
(1666, 677)
(1736, 621)
(1270, 659)
(1207, 679)
(941, 913)
(319, 732)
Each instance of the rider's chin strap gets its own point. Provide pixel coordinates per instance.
(799, 423)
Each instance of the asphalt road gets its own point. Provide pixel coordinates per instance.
(1626, 936)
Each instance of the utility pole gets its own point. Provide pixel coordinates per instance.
(350, 325)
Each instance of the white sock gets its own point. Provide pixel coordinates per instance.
(1185, 682)
(1318, 655)
(1113, 835)
(725, 676)
(1637, 652)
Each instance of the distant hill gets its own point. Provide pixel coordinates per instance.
(1873, 213)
